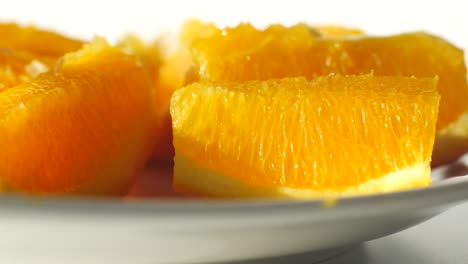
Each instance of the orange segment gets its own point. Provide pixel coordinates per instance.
(176, 71)
(38, 42)
(329, 135)
(245, 53)
(84, 128)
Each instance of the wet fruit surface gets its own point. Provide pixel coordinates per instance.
(331, 133)
(84, 128)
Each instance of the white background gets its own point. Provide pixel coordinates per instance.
(86, 18)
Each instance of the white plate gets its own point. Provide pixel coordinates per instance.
(181, 231)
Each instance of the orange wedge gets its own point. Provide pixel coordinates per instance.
(291, 138)
(84, 128)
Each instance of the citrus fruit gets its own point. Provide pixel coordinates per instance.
(37, 41)
(230, 57)
(17, 67)
(25, 52)
(291, 138)
(85, 127)
(301, 33)
(177, 67)
(245, 53)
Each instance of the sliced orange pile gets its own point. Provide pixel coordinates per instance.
(297, 139)
(85, 127)
(284, 112)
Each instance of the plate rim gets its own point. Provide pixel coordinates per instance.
(440, 195)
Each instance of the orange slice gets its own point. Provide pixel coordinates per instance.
(85, 127)
(292, 138)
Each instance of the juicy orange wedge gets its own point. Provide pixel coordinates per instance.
(337, 135)
(85, 127)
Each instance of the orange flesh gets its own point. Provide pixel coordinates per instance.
(332, 31)
(36, 41)
(26, 52)
(175, 66)
(17, 67)
(331, 133)
(173, 75)
(85, 128)
(147, 54)
(230, 57)
(177, 70)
